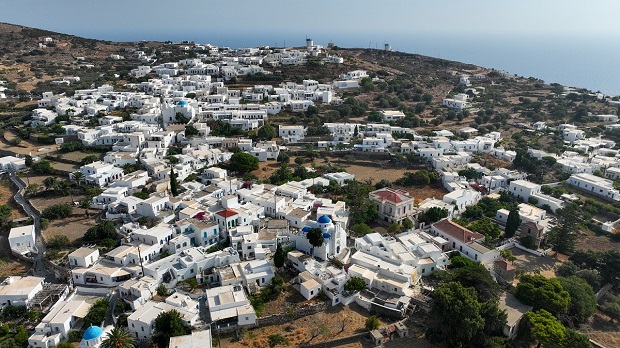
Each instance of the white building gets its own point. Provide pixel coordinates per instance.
(19, 291)
(141, 322)
(523, 189)
(83, 257)
(595, 185)
(229, 305)
(22, 239)
(292, 134)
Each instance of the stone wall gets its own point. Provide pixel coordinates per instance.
(358, 337)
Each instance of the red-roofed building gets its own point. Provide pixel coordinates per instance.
(227, 218)
(504, 270)
(393, 205)
(465, 241)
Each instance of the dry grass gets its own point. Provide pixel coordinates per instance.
(7, 191)
(530, 263)
(600, 329)
(299, 331)
(73, 227)
(596, 243)
(26, 147)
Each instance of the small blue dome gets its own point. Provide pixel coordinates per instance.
(326, 235)
(324, 219)
(182, 103)
(92, 333)
(306, 229)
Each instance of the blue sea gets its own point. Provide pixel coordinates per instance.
(587, 62)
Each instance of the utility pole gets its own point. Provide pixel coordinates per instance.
(140, 256)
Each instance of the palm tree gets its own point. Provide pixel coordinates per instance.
(78, 176)
(119, 337)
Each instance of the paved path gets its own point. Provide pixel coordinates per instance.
(25, 204)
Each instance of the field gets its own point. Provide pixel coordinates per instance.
(26, 147)
(299, 330)
(363, 171)
(73, 226)
(596, 243)
(600, 329)
(529, 263)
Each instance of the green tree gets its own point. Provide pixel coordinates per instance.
(372, 323)
(394, 228)
(458, 309)
(283, 157)
(355, 284)
(361, 229)
(315, 237)
(563, 235)
(50, 183)
(459, 261)
(487, 227)
(97, 312)
(174, 183)
(277, 339)
(57, 211)
(191, 131)
(169, 324)
(543, 293)
(582, 298)
(407, 224)
(279, 257)
(242, 163)
(494, 317)
(611, 306)
(542, 327)
(476, 276)
(432, 215)
(119, 337)
(507, 255)
(383, 183)
(58, 242)
(513, 222)
(267, 132)
(78, 177)
(574, 339)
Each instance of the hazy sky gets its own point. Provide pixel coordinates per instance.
(321, 19)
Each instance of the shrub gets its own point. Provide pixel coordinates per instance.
(372, 323)
(58, 242)
(57, 211)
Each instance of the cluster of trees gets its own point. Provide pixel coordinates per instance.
(43, 167)
(563, 235)
(57, 211)
(71, 146)
(97, 312)
(543, 328)
(168, 324)
(571, 299)
(267, 132)
(242, 163)
(599, 267)
(417, 178)
(103, 231)
(466, 307)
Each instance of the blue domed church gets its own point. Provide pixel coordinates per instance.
(334, 235)
(94, 336)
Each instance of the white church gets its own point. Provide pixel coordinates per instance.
(334, 235)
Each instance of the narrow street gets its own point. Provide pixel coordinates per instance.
(39, 270)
